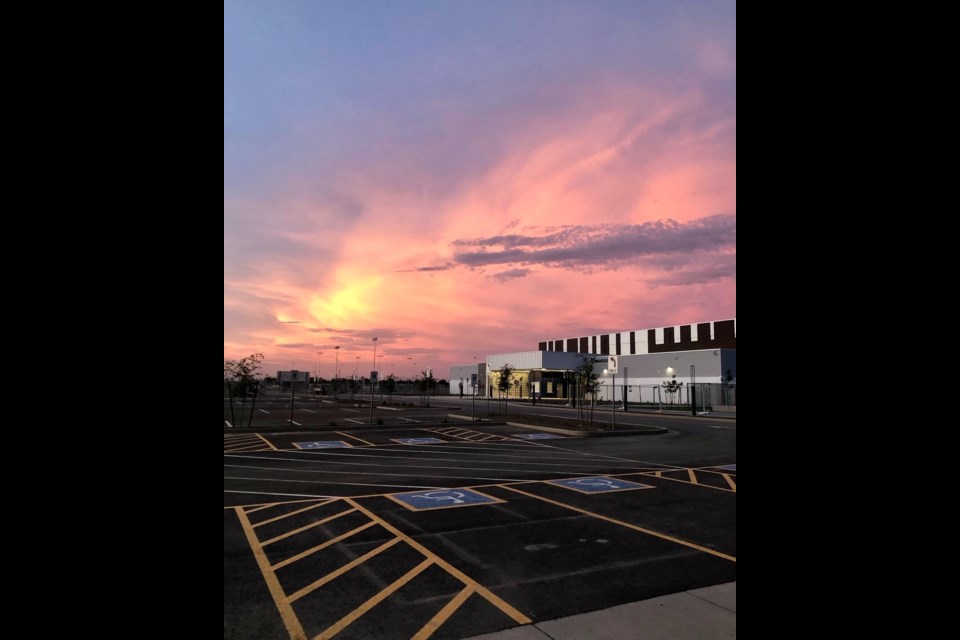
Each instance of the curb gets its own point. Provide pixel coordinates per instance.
(467, 418)
(590, 434)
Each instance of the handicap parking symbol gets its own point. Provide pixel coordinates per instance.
(418, 440)
(321, 444)
(442, 498)
(538, 436)
(598, 484)
(729, 467)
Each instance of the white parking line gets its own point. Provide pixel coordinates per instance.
(296, 423)
(409, 419)
(263, 410)
(354, 410)
(228, 423)
(355, 421)
(309, 411)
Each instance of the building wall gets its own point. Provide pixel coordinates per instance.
(718, 334)
(646, 371)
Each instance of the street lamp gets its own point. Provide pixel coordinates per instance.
(336, 372)
(371, 379)
(319, 353)
(353, 383)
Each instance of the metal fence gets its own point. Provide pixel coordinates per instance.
(707, 395)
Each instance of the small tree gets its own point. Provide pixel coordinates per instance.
(505, 379)
(390, 382)
(427, 384)
(588, 381)
(671, 387)
(240, 378)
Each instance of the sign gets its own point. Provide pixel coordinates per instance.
(373, 377)
(418, 440)
(322, 444)
(612, 364)
(473, 379)
(537, 436)
(598, 484)
(442, 499)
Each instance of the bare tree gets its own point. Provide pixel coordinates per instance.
(241, 379)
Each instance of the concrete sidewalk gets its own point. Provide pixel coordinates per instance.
(710, 612)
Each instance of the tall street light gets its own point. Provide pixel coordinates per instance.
(353, 384)
(319, 353)
(371, 378)
(336, 372)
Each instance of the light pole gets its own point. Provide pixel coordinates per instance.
(371, 379)
(353, 383)
(336, 372)
(319, 353)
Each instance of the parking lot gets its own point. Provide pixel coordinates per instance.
(452, 530)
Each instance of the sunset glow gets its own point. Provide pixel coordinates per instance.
(459, 179)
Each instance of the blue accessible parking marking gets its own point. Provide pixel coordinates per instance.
(729, 467)
(322, 444)
(418, 440)
(442, 499)
(538, 436)
(598, 484)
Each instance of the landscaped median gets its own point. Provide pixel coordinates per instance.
(572, 428)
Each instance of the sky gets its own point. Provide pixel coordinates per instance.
(468, 177)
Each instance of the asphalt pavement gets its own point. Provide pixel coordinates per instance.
(360, 531)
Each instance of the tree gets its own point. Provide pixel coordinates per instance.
(427, 384)
(588, 381)
(240, 378)
(390, 382)
(671, 387)
(504, 380)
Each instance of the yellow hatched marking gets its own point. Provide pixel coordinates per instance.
(626, 524)
(255, 509)
(434, 623)
(351, 617)
(326, 544)
(267, 505)
(347, 435)
(730, 481)
(342, 570)
(246, 447)
(305, 527)
(693, 476)
(268, 443)
(292, 513)
(705, 486)
(290, 621)
(481, 590)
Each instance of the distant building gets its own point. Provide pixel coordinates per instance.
(471, 376)
(300, 380)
